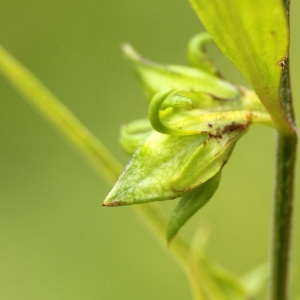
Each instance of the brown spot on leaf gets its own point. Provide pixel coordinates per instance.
(235, 126)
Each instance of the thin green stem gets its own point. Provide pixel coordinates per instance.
(284, 192)
(282, 217)
(52, 109)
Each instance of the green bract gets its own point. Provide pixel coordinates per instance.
(148, 176)
(195, 119)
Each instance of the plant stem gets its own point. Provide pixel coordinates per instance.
(51, 108)
(284, 192)
(282, 216)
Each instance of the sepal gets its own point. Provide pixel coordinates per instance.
(149, 173)
(156, 77)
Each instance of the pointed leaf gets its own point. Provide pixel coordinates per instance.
(190, 203)
(253, 34)
(156, 77)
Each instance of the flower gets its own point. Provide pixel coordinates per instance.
(195, 120)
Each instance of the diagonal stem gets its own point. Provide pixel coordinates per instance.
(58, 115)
(91, 148)
(282, 216)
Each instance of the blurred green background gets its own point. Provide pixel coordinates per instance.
(56, 241)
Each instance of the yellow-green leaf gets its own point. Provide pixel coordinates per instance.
(253, 34)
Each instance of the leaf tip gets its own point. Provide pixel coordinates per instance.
(112, 203)
(171, 233)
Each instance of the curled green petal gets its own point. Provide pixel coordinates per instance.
(182, 112)
(133, 133)
(190, 203)
(197, 55)
(156, 77)
(175, 101)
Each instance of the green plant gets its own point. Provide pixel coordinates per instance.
(202, 116)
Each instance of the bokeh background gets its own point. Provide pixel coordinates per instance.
(56, 241)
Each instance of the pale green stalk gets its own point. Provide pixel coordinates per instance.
(52, 109)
